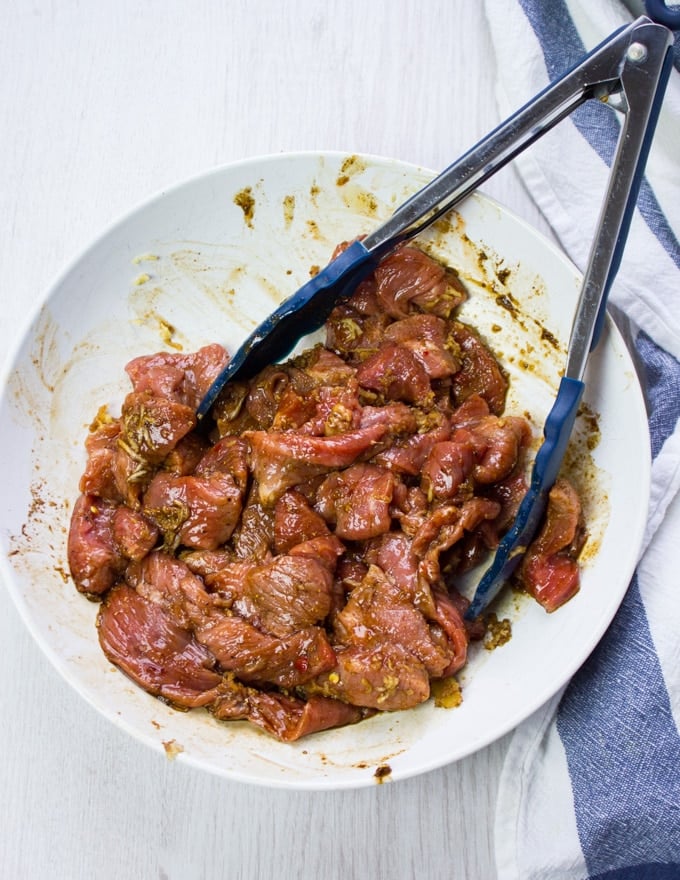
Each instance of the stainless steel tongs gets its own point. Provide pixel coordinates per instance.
(628, 72)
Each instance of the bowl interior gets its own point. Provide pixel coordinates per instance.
(206, 261)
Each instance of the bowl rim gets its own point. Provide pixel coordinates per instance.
(13, 356)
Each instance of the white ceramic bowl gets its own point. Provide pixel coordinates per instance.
(199, 263)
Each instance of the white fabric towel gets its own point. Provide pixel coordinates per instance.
(591, 784)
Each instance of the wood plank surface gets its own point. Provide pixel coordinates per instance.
(102, 105)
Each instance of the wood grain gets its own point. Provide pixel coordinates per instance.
(101, 105)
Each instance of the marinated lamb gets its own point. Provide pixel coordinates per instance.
(298, 567)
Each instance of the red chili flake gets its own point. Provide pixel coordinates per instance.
(301, 663)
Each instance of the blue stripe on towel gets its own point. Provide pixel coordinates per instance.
(562, 47)
(623, 750)
(662, 383)
(651, 871)
(615, 721)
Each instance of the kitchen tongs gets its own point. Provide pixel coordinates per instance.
(628, 72)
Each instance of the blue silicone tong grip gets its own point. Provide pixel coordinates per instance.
(660, 13)
(556, 433)
(338, 278)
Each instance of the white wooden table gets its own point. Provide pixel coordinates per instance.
(102, 105)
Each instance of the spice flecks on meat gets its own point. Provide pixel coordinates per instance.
(298, 568)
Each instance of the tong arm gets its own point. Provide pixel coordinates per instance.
(644, 70)
(596, 76)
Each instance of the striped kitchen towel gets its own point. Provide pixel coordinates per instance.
(591, 783)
